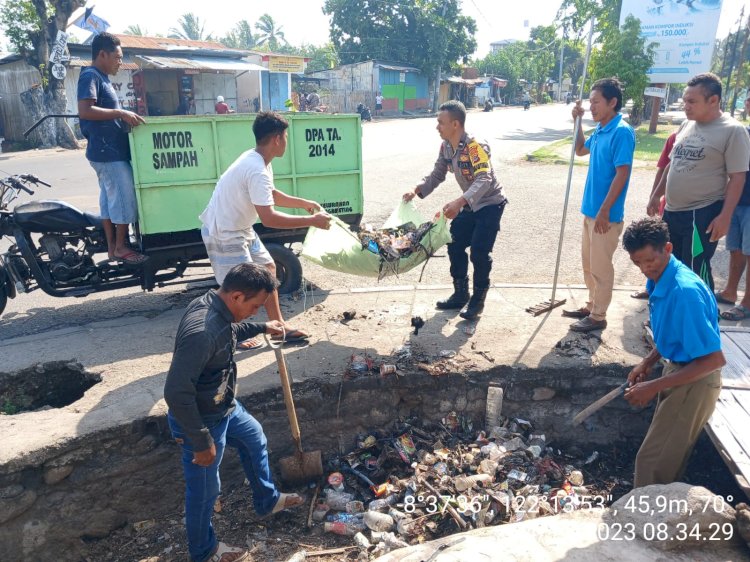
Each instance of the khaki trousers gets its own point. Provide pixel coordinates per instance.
(680, 415)
(597, 251)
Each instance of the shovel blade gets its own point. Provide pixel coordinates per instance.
(301, 467)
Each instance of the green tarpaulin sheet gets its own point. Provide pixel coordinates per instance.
(339, 249)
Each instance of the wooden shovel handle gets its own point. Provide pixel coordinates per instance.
(287, 388)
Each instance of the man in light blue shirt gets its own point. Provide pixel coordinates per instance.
(611, 148)
(683, 315)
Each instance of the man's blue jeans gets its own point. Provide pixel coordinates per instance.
(202, 484)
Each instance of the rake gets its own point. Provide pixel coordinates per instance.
(551, 304)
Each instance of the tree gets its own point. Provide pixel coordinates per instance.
(321, 58)
(271, 35)
(539, 62)
(575, 14)
(136, 30)
(425, 33)
(190, 28)
(626, 55)
(241, 37)
(32, 26)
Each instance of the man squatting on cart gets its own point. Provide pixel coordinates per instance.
(475, 214)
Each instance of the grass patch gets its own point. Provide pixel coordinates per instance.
(647, 147)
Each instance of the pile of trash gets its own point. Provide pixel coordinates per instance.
(424, 481)
(392, 244)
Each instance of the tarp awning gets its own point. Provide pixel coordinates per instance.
(195, 63)
(466, 81)
(499, 82)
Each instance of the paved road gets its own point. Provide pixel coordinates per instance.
(396, 155)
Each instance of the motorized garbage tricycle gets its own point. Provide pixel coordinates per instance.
(176, 164)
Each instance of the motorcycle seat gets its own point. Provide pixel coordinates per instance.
(52, 216)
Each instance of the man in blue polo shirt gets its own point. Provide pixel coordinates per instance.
(611, 147)
(683, 315)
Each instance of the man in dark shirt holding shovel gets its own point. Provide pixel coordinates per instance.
(204, 415)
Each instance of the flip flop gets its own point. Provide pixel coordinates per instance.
(722, 300)
(736, 313)
(639, 295)
(292, 336)
(226, 553)
(132, 258)
(250, 345)
(281, 503)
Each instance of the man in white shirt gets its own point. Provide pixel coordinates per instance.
(244, 193)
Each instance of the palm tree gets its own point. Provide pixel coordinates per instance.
(241, 37)
(190, 27)
(270, 34)
(136, 30)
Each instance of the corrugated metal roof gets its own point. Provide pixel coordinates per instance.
(161, 43)
(195, 63)
(398, 68)
(78, 62)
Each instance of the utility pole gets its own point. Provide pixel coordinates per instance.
(435, 101)
(741, 69)
(562, 54)
(734, 52)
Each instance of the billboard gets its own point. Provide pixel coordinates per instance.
(685, 32)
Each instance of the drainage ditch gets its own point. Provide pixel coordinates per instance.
(118, 495)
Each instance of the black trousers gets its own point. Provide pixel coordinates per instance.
(687, 231)
(477, 231)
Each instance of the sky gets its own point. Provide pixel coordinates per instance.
(303, 21)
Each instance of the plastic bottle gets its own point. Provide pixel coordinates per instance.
(463, 483)
(382, 503)
(377, 521)
(338, 500)
(344, 517)
(348, 528)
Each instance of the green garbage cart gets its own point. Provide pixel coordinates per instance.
(178, 160)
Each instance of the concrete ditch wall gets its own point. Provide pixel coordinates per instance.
(51, 501)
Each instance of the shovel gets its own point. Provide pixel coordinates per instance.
(599, 404)
(301, 467)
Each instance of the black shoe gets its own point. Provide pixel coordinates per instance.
(459, 297)
(475, 306)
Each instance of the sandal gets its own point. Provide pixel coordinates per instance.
(287, 501)
(226, 553)
(639, 295)
(132, 258)
(291, 336)
(722, 300)
(250, 345)
(736, 313)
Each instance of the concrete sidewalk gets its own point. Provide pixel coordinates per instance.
(133, 354)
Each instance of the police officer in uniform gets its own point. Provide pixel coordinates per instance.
(475, 214)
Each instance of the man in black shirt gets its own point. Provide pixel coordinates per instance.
(204, 415)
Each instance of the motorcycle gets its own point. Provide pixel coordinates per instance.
(364, 112)
(53, 248)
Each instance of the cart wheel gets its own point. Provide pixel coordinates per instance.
(288, 268)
